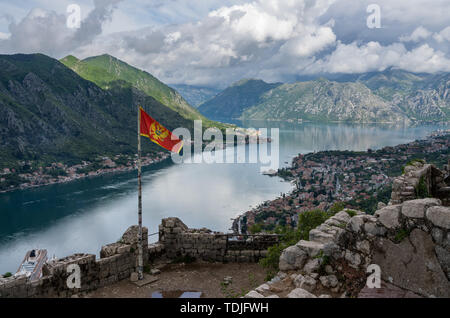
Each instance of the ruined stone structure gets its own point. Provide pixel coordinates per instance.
(118, 260)
(410, 242)
(180, 241)
(417, 175)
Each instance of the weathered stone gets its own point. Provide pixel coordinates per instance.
(355, 224)
(439, 216)
(342, 217)
(389, 215)
(353, 258)
(292, 257)
(363, 246)
(134, 277)
(312, 248)
(381, 205)
(329, 281)
(443, 256)
(253, 294)
(123, 249)
(109, 250)
(263, 289)
(319, 236)
(312, 265)
(273, 296)
(412, 265)
(155, 271)
(325, 296)
(332, 250)
(329, 270)
(417, 208)
(300, 293)
(130, 236)
(306, 282)
(438, 235)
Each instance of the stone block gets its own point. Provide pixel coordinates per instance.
(311, 248)
(389, 216)
(292, 257)
(300, 293)
(439, 216)
(417, 208)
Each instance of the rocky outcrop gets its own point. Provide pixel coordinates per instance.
(409, 242)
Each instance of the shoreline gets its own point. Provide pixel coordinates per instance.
(299, 199)
(98, 173)
(146, 161)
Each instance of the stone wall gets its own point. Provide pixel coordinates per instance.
(436, 181)
(117, 261)
(181, 241)
(410, 242)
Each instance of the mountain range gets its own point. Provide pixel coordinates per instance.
(49, 113)
(196, 95)
(230, 103)
(389, 96)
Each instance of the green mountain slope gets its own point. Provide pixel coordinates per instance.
(324, 100)
(235, 99)
(105, 69)
(49, 113)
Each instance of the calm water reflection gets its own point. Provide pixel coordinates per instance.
(82, 215)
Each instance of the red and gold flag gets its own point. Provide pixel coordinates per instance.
(157, 133)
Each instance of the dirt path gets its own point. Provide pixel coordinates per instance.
(207, 278)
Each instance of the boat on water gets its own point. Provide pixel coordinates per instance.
(32, 264)
(270, 172)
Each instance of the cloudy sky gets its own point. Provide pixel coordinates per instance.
(217, 42)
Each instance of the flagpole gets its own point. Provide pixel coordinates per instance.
(139, 166)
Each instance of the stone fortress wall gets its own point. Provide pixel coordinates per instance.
(180, 241)
(436, 182)
(409, 241)
(119, 260)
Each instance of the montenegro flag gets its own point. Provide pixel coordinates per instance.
(157, 133)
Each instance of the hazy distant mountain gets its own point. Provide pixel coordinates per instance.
(235, 99)
(196, 95)
(105, 69)
(324, 100)
(389, 96)
(420, 96)
(48, 113)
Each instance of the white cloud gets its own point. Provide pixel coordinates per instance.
(218, 42)
(418, 34)
(354, 58)
(442, 36)
(4, 36)
(312, 40)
